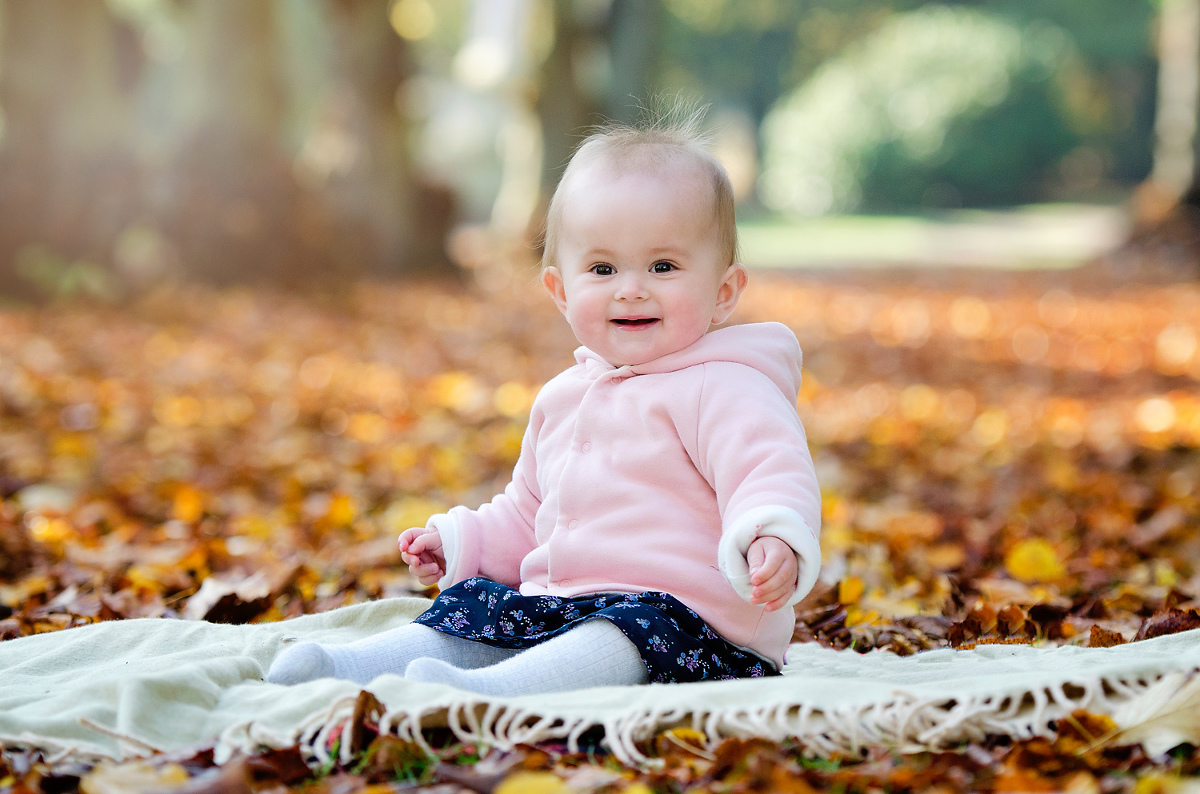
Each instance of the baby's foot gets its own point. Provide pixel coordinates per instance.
(305, 661)
(435, 671)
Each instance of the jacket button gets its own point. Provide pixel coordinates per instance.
(573, 525)
(587, 446)
(564, 582)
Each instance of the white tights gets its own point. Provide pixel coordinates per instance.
(595, 653)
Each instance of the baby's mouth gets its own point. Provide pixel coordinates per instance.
(634, 322)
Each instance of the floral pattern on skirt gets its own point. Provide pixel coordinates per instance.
(676, 645)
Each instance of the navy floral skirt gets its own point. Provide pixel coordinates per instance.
(676, 645)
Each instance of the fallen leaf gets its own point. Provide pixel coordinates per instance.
(524, 782)
(132, 778)
(226, 600)
(1034, 560)
(1101, 637)
(1170, 621)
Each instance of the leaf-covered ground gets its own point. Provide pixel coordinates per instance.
(1003, 459)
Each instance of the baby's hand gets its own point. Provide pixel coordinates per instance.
(773, 572)
(421, 548)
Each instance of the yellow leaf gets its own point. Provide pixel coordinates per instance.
(850, 590)
(513, 399)
(144, 577)
(341, 510)
(1034, 560)
(410, 511)
(367, 428)
(51, 531)
(377, 788)
(189, 505)
(861, 617)
(1157, 783)
(532, 783)
(675, 739)
(689, 735)
(132, 778)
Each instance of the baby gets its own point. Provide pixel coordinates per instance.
(664, 509)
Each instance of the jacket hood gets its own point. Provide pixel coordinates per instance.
(770, 348)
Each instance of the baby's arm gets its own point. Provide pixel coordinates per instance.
(773, 572)
(421, 548)
(752, 449)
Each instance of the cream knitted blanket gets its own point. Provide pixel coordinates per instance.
(130, 688)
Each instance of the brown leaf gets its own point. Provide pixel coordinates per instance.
(230, 600)
(386, 754)
(1170, 621)
(286, 765)
(234, 777)
(364, 722)
(1101, 637)
(1010, 620)
(10, 628)
(1045, 615)
(1082, 729)
(981, 620)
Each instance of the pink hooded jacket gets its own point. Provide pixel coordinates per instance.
(657, 476)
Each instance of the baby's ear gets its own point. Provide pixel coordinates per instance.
(553, 282)
(729, 291)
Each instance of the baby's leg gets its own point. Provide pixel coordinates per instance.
(388, 652)
(595, 653)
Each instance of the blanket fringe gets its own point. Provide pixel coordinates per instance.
(903, 723)
(145, 747)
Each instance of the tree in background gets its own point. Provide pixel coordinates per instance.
(939, 106)
(749, 55)
(1167, 205)
(230, 140)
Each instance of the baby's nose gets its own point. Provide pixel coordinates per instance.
(630, 285)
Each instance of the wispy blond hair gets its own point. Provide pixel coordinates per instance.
(670, 132)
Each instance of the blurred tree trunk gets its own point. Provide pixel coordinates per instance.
(1166, 206)
(66, 176)
(601, 67)
(373, 194)
(267, 145)
(633, 46)
(228, 197)
(1173, 178)
(262, 189)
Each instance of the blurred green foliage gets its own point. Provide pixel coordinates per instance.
(1077, 128)
(938, 99)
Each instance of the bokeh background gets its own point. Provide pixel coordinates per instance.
(285, 141)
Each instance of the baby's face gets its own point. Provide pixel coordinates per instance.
(640, 272)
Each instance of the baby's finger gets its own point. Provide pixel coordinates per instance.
(766, 594)
(427, 569)
(767, 569)
(775, 583)
(778, 603)
(429, 543)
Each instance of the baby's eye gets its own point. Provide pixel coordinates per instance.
(603, 269)
(662, 267)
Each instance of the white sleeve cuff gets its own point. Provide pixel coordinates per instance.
(768, 521)
(447, 529)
